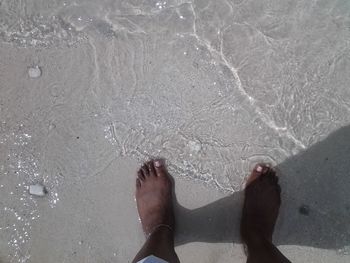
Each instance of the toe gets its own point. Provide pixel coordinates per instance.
(159, 167)
(145, 170)
(278, 188)
(271, 176)
(138, 183)
(259, 170)
(140, 175)
(151, 168)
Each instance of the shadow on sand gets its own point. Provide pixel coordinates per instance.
(315, 208)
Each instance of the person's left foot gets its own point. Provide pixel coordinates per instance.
(261, 204)
(154, 196)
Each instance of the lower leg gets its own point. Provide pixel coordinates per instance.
(262, 250)
(160, 244)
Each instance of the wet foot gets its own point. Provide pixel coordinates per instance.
(154, 197)
(261, 205)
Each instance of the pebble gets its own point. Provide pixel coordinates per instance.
(37, 190)
(304, 210)
(34, 72)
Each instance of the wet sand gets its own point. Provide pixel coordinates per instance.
(89, 92)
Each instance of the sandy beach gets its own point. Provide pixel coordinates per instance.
(89, 91)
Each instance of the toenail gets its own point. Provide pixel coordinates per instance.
(259, 169)
(158, 163)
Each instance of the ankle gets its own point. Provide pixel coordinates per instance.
(162, 233)
(261, 250)
(256, 242)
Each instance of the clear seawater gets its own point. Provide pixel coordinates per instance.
(212, 86)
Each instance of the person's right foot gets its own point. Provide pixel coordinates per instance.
(154, 197)
(261, 205)
(155, 207)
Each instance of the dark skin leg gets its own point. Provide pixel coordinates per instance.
(155, 207)
(260, 212)
(259, 215)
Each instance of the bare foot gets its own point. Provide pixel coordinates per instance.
(154, 196)
(261, 205)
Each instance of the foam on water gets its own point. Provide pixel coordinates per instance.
(52, 23)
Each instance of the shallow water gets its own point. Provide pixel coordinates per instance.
(212, 86)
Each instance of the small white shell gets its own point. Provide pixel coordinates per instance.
(37, 189)
(34, 72)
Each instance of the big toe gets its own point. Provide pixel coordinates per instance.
(259, 170)
(160, 167)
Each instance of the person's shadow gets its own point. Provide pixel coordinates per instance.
(315, 208)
